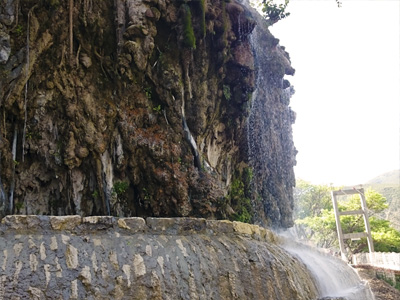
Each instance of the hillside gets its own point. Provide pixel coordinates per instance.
(388, 178)
(388, 184)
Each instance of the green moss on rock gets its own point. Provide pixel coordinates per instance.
(189, 39)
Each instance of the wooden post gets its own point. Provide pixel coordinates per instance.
(366, 221)
(338, 226)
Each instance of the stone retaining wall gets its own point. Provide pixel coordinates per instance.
(71, 257)
(171, 226)
(383, 260)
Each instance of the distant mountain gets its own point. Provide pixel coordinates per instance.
(392, 177)
(388, 184)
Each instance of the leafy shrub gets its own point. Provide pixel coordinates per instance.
(227, 92)
(240, 196)
(120, 187)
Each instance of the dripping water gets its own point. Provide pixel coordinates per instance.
(188, 135)
(257, 117)
(3, 198)
(14, 157)
(239, 28)
(107, 178)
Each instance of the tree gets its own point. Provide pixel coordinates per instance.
(274, 12)
(317, 219)
(310, 199)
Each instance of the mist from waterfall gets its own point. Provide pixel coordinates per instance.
(333, 277)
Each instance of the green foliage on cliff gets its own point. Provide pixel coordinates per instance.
(189, 39)
(316, 216)
(240, 197)
(120, 187)
(227, 91)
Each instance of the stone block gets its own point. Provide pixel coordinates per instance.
(65, 222)
(243, 228)
(256, 234)
(106, 220)
(219, 226)
(98, 223)
(26, 222)
(176, 226)
(132, 224)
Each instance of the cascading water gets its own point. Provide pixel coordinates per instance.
(108, 177)
(333, 277)
(14, 157)
(271, 155)
(271, 150)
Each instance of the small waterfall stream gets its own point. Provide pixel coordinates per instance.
(334, 278)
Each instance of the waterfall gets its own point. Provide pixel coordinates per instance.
(14, 157)
(271, 152)
(107, 178)
(188, 135)
(334, 278)
(271, 155)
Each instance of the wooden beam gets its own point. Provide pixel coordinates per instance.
(355, 235)
(366, 223)
(348, 192)
(351, 212)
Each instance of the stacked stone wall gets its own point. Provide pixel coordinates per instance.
(73, 257)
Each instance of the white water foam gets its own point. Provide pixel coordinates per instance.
(334, 277)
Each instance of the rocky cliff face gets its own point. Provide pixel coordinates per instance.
(143, 108)
(129, 258)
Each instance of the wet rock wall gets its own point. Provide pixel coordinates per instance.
(140, 109)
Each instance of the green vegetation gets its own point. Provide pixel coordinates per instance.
(53, 3)
(240, 197)
(315, 215)
(382, 276)
(227, 92)
(189, 39)
(148, 92)
(120, 188)
(18, 207)
(95, 194)
(19, 29)
(274, 12)
(157, 109)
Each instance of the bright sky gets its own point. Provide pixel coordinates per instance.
(347, 86)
